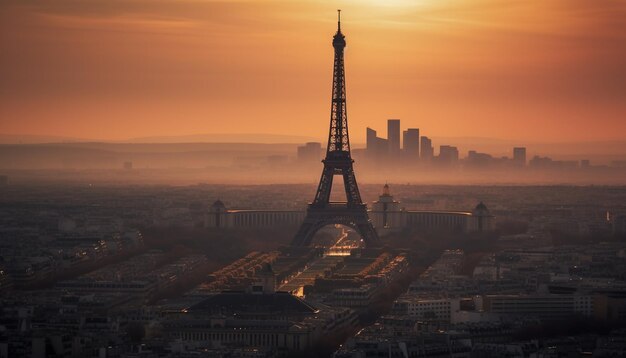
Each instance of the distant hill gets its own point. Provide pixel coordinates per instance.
(143, 155)
(225, 138)
(195, 138)
(34, 139)
(230, 144)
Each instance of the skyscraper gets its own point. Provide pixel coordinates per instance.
(376, 147)
(371, 141)
(411, 140)
(393, 135)
(448, 155)
(519, 156)
(426, 149)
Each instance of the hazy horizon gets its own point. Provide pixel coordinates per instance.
(611, 149)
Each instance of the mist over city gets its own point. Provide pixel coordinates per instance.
(419, 159)
(177, 180)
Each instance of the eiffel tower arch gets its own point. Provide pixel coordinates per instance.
(338, 162)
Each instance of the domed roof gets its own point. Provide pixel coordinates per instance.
(237, 302)
(218, 204)
(481, 209)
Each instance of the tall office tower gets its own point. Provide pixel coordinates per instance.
(382, 147)
(426, 149)
(519, 156)
(448, 155)
(393, 135)
(411, 140)
(371, 141)
(377, 147)
(478, 160)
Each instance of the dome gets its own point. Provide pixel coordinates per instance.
(218, 206)
(481, 209)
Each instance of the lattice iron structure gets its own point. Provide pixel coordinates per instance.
(338, 161)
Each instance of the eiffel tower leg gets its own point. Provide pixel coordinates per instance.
(369, 235)
(304, 235)
(355, 218)
(325, 186)
(352, 190)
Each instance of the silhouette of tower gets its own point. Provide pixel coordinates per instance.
(393, 136)
(338, 161)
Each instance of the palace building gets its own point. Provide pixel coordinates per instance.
(221, 217)
(387, 215)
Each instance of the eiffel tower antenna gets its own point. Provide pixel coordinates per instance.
(338, 162)
(338, 20)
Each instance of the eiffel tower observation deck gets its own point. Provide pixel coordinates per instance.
(338, 162)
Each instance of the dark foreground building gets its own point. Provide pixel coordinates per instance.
(259, 317)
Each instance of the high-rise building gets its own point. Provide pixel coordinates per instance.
(382, 147)
(426, 149)
(478, 160)
(376, 147)
(448, 155)
(411, 140)
(393, 135)
(519, 156)
(371, 142)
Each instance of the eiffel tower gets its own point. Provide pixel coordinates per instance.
(338, 161)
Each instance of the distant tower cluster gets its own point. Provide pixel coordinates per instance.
(417, 148)
(392, 148)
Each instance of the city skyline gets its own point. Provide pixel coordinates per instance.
(168, 249)
(132, 69)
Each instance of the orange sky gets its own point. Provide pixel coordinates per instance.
(549, 70)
